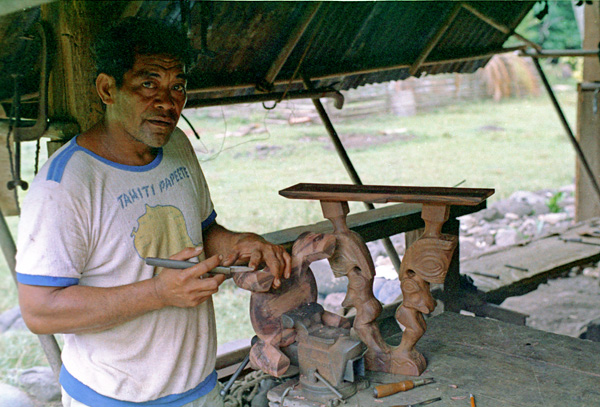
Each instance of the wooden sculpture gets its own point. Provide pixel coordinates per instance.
(425, 262)
(353, 259)
(267, 306)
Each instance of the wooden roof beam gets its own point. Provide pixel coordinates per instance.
(267, 82)
(500, 27)
(434, 40)
(363, 71)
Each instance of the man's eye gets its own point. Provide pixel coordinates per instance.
(179, 88)
(149, 85)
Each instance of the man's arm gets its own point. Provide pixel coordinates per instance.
(82, 309)
(247, 247)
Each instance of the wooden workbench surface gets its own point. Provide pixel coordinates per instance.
(502, 365)
(534, 262)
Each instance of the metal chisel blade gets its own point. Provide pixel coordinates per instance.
(182, 264)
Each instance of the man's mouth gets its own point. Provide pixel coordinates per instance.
(162, 121)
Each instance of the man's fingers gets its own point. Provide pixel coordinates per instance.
(231, 258)
(205, 266)
(187, 253)
(255, 258)
(287, 270)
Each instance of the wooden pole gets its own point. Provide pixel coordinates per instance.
(339, 147)
(72, 93)
(588, 119)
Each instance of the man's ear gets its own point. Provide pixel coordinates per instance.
(106, 86)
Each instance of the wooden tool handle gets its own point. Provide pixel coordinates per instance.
(392, 388)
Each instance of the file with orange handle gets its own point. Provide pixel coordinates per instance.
(384, 390)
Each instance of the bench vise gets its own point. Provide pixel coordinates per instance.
(330, 359)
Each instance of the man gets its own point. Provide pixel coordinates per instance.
(126, 189)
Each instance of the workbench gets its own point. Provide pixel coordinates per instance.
(501, 364)
(522, 268)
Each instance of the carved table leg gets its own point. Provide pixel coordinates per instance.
(425, 262)
(353, 259)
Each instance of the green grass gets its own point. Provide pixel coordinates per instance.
(527, 151)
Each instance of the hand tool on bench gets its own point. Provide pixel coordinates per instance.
(384, 390)
(422, 403)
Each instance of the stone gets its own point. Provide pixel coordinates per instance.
(520, 208)
(41, 383)
(389, 292)
(490, 214)
(8, 318)
(378, 282)
(593, 272)
(591, 331)
(506, 237)
(333, 303)
(11, 396)
(553, 218)
(468, 222)
(530, 198)
(468, 246)
(327, 283)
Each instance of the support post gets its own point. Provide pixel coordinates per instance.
(72, 93)
(9, 250)
(339, 148)
(588, 118)
(572, 139)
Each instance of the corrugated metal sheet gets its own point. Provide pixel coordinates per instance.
(345, 45)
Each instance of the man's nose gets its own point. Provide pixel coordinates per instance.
(164, 99)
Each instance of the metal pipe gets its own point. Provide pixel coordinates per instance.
(9, 250)
(268, 97)
(555, 53)
(329, 385)
(267, 82)
(431, 44)
(339, 148)
(361, 71)
(563, 120)
(498, 26)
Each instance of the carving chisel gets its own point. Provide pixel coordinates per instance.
(422, 403)
(182, 264)
(393, 388)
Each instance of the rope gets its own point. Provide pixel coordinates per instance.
(243, 390)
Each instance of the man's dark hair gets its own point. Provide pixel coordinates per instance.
(116, 48)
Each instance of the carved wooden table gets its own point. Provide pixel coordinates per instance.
(426, 261)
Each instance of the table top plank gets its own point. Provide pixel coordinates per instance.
(387, 193)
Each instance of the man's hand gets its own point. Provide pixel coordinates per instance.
(242, 248)
(189, 287)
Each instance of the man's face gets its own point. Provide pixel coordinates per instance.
(148, 104)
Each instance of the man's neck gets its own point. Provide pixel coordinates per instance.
(119, 149)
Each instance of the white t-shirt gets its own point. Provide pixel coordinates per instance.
(90, 221)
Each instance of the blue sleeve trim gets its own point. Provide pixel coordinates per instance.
(46, 281)
(208, 221)
(58, 165)
(87, 396)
